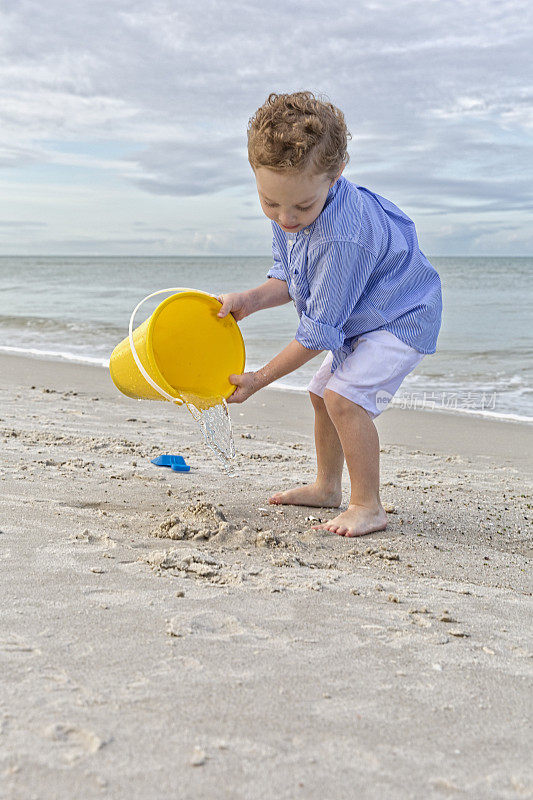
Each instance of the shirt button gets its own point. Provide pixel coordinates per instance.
(307, 231)
(290, 242)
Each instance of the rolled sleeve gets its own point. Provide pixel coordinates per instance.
(276, 271)
(317, 335)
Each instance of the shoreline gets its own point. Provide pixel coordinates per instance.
(152, 618)
(507, 441)
(103, 365)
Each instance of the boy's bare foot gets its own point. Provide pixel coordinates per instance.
(310, 495)
(356, 521)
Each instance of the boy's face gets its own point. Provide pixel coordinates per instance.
(293, 200)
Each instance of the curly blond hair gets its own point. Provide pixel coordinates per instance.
(294, 132)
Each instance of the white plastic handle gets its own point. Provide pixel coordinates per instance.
(134, 353)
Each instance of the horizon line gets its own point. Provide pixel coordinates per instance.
(214, 255)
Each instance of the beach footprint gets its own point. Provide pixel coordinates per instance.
(75, 742)
(212, 625)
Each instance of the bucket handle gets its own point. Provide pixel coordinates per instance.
(134, 353)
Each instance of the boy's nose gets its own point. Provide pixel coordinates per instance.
(288, 222)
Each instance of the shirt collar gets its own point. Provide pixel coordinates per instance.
(332, 192)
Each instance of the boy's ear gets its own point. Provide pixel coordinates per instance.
(334, 181)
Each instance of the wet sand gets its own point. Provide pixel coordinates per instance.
(169, 634)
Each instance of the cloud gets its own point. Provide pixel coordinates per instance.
(436, 94)
(143, 226)
(193, 168)
(477, 237)
(17, 223)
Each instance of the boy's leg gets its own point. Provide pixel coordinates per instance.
(327, 489)
(356, 393)
(360, 443)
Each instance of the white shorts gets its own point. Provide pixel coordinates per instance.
(371, 374)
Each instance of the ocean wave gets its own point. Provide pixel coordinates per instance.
(49, 325)
(497, 415)
(399, 401)
(428, 406)
(474, 352)
(55, 355)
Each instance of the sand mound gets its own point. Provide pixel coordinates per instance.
(205, 521)
(196, 521)
(246, 537)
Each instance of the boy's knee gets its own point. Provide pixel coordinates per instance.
(337, 405)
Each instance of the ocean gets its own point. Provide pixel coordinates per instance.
(78, 308)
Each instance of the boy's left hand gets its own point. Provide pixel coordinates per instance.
(246, 384)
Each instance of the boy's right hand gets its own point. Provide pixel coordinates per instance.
(236, 303)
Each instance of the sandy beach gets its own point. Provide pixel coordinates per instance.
(172, 635)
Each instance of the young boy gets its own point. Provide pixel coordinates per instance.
(350, 261)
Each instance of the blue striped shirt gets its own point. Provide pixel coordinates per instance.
(358, 268)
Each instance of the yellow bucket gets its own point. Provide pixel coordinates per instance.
(183, 348)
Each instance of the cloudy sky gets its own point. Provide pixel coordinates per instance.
(123, 123)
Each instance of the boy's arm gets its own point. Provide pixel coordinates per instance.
(273, 292)
(292, 357)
